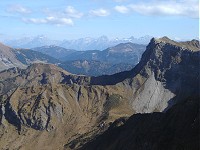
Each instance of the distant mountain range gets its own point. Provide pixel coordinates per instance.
(121, 57)
(87, 43)
(121, 53)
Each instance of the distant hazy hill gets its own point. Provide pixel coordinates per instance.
(54, 51)
(121, 53)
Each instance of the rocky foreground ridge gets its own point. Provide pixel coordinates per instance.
(45, 107)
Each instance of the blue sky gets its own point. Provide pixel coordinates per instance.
(72, 19)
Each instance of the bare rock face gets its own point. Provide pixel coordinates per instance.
(45, 106)
(168, 72)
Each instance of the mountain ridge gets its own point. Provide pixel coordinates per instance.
(50, 108)
(192, 45)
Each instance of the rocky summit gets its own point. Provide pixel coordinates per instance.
(45, 107)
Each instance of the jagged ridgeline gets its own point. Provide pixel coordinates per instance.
(45, 107)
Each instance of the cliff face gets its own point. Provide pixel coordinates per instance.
(169, 72)
(45, 106)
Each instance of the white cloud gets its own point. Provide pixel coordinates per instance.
(49, 20)
(57, 17)
(177, 8)
(34, 20)
(69, 12)
(122, 9)
(100, 12)
(72, 12)
(18, 9)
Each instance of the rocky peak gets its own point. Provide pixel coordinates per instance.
(192, 45)
(167, 50)
(164, 39)
(170, 63)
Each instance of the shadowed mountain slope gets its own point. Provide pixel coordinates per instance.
(94, 68)
(178, 128)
